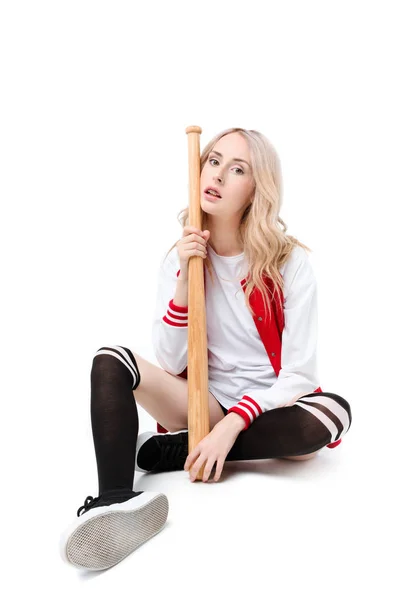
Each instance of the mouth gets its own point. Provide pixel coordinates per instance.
(212, 194)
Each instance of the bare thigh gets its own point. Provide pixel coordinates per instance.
(165, 397)
(301, 457)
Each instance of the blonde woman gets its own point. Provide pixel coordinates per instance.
(265, 397)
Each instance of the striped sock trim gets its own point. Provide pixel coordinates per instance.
(335, 418)
(123, 356)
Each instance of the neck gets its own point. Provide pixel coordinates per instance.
(224, 241)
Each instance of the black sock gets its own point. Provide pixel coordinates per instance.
(114, 416)
(314, 420)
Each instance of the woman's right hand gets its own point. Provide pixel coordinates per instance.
(193, 243)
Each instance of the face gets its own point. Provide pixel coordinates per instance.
(232, 178)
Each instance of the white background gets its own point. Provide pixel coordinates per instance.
(95, 99)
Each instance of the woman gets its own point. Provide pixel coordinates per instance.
(264, 395)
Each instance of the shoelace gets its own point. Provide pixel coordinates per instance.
(89, 502)
(117, 494)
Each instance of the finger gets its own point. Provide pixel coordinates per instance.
(192, 229)
(194, 234)
(220, 465)
(198, 239)
(191, 457)
(197, 466)
(208, 468)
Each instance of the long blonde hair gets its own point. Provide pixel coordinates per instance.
(266, 246)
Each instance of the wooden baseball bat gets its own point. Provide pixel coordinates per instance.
(197, 369)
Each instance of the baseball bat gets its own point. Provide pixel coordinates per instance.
(197, 370)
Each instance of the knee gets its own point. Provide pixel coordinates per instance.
(346, 421)
(115, 361)
(105, 363)
(340, 401)
(104, 356)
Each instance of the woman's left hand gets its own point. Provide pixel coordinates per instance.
(214, 447)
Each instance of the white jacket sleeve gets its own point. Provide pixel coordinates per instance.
(170, 322)
(298, 374)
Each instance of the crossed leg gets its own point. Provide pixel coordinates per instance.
(164, 397)
(302, 456)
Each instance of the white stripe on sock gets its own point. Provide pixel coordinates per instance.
(129, 364)
(334, 407)
(322, 417)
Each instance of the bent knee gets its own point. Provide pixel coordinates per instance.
(104, 359)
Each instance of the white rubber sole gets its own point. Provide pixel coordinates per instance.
(143, 437)
(103, 536)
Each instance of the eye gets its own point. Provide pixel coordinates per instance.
(237, 168)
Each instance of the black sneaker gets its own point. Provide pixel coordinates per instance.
(161, 452)
(109, 527)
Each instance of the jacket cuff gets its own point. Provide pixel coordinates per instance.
(177, 316)
(248, 409)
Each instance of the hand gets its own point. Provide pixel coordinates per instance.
(214, 447)
(193, 243)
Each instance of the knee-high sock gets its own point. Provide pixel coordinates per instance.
(114, 416)
(313, 421)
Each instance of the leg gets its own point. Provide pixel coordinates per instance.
(165, 397)
(115, 422)
(114, 416)
(311, 454)
(119, 520)
(301, 457)
(295, 432)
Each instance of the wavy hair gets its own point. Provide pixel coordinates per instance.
(262, 232)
